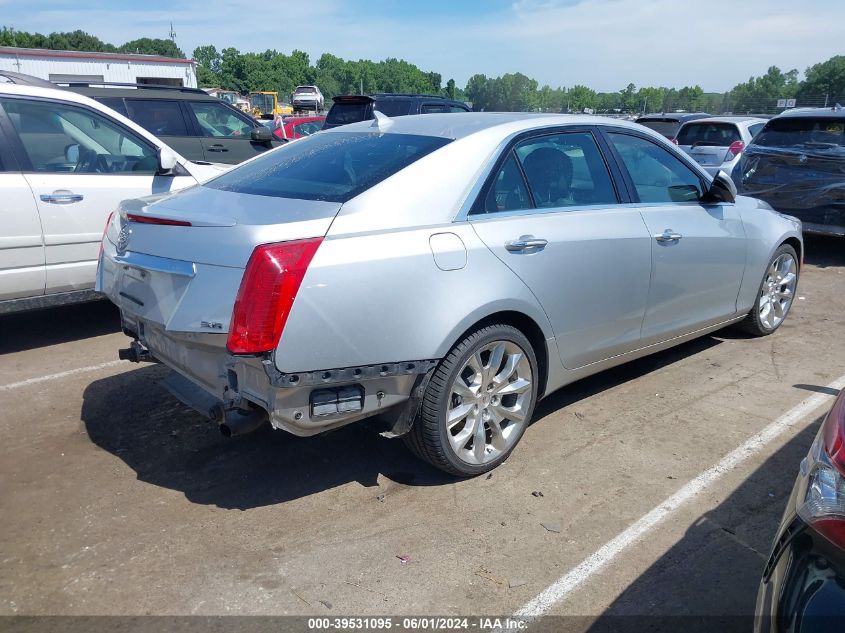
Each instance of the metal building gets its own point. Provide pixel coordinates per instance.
(80, 66)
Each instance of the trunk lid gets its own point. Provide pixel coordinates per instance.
(707, 154)
(186, 278)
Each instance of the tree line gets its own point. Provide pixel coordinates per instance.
(823, 83)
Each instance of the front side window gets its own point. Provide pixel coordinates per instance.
(162, 118)
(432, 108)
(218, 121)
(334, 167)
(63, 138)
(657, 175)
(308, 128)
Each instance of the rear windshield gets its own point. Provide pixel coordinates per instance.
(803, 132)
(712, 134)
(305, 90)
(343, 113)
(333, 167)
(666, 128)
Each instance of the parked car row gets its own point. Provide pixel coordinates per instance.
(66, 162)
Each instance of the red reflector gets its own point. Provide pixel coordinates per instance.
(832, 528)
(146, 219)
(268, 289)
(736, 147)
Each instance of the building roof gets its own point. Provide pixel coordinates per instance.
(114, 57)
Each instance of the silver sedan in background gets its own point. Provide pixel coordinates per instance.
(440, 273)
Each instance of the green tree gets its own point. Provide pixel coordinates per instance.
(826, 79)
(150, 46)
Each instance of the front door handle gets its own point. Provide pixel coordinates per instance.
(668, 236)
(61, 197)
(217, 148)
(524, 243)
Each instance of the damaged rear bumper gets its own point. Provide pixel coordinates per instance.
(302, 403)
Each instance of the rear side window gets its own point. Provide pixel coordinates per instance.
(709, 134)
(458, 109)
(393, 107)
(821, 133)
(754, 129)
(431, 108)
(562, 170)
(334, 167)
(116, 104)
(162, 118)
(344, 113)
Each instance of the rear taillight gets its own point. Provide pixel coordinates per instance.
(824, 502)
(268, 289)
(105, 231)
(735, 148)
(148, 219)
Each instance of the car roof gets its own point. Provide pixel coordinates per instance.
(834, 112)
(456, 125)
(143, 93)
(673, 116)
(727, 119)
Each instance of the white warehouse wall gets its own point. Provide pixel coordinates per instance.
(113, 70)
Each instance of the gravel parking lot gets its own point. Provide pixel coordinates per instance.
(116, 499)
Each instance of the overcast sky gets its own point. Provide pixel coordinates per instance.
(603, 44)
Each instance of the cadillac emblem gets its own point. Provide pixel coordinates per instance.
(123, 240)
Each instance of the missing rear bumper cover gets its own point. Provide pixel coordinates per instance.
(284, 380)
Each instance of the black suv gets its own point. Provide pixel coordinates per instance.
(668, 123)
(192, 122)
(354, 108)
(796, 163)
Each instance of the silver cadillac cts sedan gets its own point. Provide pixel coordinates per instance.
(439, 272)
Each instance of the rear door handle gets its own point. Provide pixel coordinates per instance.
(524, 243)
(217, 148)
(668, 236)
(61, 197)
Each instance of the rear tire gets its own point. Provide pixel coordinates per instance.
(775, 294)
(478, 402)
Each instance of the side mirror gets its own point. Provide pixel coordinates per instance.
(722, 189)
(166, 161)
(262, 135)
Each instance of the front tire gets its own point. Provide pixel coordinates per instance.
(478, 403)
(775, 295)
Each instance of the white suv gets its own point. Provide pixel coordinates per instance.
(307, 98)
(66, 162)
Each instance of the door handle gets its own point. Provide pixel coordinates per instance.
(61, 197)
(668, 236)
(524, 243)
(217, 148)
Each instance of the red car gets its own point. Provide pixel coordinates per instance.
(294, 127)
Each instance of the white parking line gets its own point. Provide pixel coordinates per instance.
(594, 563)
(61, 374)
